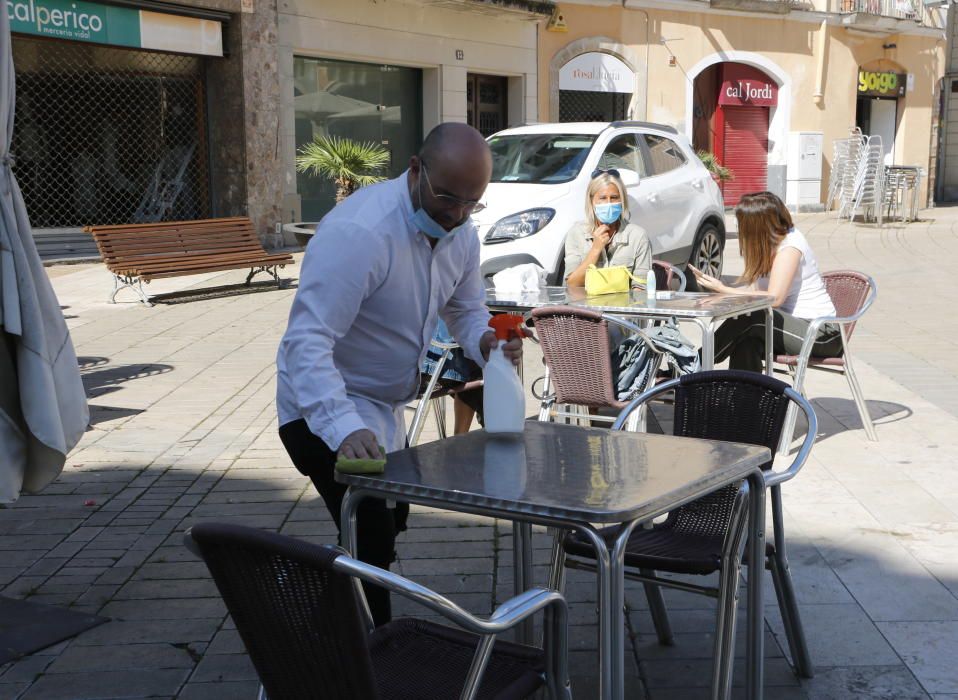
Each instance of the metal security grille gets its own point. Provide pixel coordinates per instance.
(108, 136)
(582, 106)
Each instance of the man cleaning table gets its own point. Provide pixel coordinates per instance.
(383, 267)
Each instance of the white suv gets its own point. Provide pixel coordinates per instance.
(539, 178)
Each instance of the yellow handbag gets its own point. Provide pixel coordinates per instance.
(609, 280)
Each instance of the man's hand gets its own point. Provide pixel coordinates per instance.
(512, 349)
(360, 444)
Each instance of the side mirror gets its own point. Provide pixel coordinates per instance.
(629, 178)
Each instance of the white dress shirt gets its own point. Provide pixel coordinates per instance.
(371, 289)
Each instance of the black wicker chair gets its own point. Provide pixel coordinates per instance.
(300, 611)
(718, 405)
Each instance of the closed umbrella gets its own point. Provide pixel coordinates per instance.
(43, 410)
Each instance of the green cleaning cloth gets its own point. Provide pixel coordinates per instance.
(363, 466)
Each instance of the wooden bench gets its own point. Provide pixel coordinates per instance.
(138, 253)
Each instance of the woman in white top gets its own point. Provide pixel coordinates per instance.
(779, 263)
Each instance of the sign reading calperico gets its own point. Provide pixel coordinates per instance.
(76, 20)
(118, 26)
(877, 84)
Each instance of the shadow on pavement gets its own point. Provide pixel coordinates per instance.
(232, 290)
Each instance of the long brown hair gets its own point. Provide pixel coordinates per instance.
(763, 221)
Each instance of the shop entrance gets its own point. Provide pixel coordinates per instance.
(732, 109)
(877, 116)
(486, 103)
(595, 87)
(881, 84)
(359, 101)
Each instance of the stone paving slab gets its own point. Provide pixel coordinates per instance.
(183, 431)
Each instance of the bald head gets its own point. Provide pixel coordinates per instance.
(455, 141)
(458, 163)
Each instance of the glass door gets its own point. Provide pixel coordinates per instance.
(358, 101)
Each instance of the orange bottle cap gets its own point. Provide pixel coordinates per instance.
(506, 326)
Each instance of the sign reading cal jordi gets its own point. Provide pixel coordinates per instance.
(77, 20)
(878, 84)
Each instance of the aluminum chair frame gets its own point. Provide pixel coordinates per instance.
(801, 367)
(777, 562)
(426, 401)
(505, 617)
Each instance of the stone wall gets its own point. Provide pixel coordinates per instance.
(261, 87)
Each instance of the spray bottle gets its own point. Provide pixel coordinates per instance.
(504, 400)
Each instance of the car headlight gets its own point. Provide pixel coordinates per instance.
(520, 225)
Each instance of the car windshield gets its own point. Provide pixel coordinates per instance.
(539, 158)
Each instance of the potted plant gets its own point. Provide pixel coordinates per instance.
(349, 164)
(718, 171)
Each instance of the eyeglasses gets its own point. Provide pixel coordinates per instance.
(609, 171)
(449, 201)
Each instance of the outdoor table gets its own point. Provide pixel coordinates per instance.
(568, 477)
(703, 309)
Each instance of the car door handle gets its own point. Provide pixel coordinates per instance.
(652, 198)
(698, 184)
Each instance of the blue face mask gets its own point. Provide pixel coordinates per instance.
(429, 225)
(608, 213)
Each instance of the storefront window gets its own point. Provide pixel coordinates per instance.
(108, 136)
(358, 101)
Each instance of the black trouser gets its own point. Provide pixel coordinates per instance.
(376, 524)
(742, 339)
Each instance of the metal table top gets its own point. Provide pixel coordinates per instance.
(555, 471)
(634, 302)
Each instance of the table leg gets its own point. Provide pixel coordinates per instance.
(617, 609)
(755, 663)
(769, 340)
(708, 342)
(607, 650)
(522, 574)
(348, 539)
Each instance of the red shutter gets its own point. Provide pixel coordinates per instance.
(745, 151)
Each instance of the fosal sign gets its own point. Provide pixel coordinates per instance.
(746, 86)
(596, 72)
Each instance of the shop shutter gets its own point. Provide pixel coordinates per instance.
(745, 151)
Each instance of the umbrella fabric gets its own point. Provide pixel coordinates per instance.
(43, 410)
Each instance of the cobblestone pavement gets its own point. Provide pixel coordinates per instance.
(183, 430)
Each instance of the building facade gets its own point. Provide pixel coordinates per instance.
(139, 110)
(763, 84)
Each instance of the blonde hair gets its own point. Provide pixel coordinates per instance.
(601, 181)
(763, 221)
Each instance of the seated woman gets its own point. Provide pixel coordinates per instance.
(456, 372)
(606, 237)
(780, 264)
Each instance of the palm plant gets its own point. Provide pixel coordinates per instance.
(347, 163)
(718, 171)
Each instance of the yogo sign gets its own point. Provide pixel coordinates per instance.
(80, 21)
(876, 84)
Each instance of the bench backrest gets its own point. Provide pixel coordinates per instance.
(132, 243)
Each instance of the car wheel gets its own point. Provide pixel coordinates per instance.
(708, 251)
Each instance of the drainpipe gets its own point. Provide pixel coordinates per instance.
(819, 97)
(647, 23)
